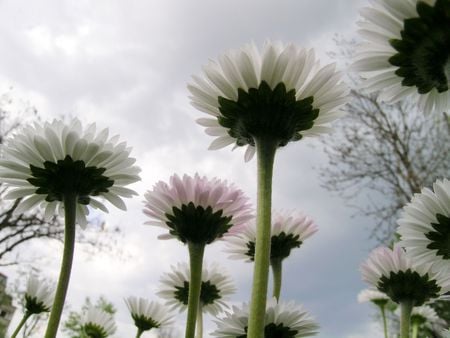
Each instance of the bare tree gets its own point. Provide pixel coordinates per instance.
(380, 154)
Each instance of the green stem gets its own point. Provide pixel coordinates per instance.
(70, 207)
(406, 308)
(199, 321)
(265, 150)
(196, 252)
(383, 316)
(139, 333)
(21, 324)
(415, 329)
(277, 271)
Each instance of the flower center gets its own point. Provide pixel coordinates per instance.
(196, 224)
(281, 246)
(32, 305)
(273, 330)
(145, 323)
(440, 238)
(409, 285)
(69, 177)
(424, 48)
(208, 295)
(94, 331)
(263, 112)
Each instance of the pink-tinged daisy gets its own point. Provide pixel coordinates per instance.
(424, 226)
(407, 51)
(282, 319)
(289, 231)
(197, 209)
(395, 274)
(278, 92)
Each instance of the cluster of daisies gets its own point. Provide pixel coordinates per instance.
(416, 271)
(260, 99)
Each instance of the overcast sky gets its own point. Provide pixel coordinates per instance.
(125, 65)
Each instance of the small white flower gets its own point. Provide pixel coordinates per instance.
(424, 226)
(216, 288)
(374, 296)
(289, 231)
(148, 315)
(424, 314)
(197, 209)
(393, 272)
(97, 323)
(279, 92)
(45, 161)
(39, 296)
(283, 319)
(407, 51)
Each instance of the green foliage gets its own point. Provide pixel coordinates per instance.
(72, 326)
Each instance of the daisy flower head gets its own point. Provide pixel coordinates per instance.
(216, 287)
(289, 231)
(408, 50)
(148, 315)
(196, 209)
(278, 92)
(46, 162)
(395, 274)
(424, 314)
(373, 296)
(282, 320)
(98, 323)
(39, 296)
(424, 226)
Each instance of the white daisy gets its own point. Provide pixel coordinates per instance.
(278, 92)
(281, 320)
(424, 226)
(216, 288)
(393, 272)
(197, 209)
(45, 162)
(373, 296)
(424, 314)
(407, 50)
(289, 231)
(148, 315)
(97, 323)
(39, 296)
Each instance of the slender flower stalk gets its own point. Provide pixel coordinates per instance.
(64, 168)
(378, 298)
(199, 328)
(265, 155)
(264, 100)
(405, 319)
(196, 252)
(21, 324)
(196, 211)
(415, 329)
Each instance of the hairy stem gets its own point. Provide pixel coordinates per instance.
(70, 207)
(196, 252)
(265, 150)
(406, 308)
(277, 271)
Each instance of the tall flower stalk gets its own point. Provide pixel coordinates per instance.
(63, 168)
(264, 100)
(196, 211)
(378, 298)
